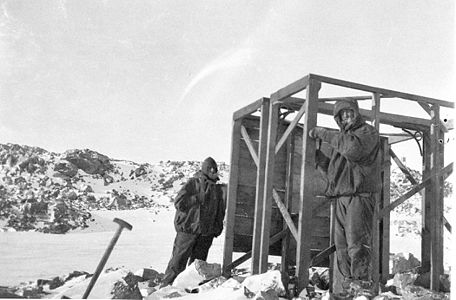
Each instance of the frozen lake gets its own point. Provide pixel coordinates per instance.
(28, 256)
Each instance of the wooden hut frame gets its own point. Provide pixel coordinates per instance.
(434, 173)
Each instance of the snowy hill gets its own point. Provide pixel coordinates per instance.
(55, 192)
(52, 192)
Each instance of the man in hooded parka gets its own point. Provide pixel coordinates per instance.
(353, 178)
(200, 210)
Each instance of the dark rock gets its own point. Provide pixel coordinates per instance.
(402, 264)
(126, 288)
(56, 282)
(76, 274)
(89, 161)
(72, 195)
(66, 168)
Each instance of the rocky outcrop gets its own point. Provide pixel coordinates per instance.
(65, 169)
(89, 161)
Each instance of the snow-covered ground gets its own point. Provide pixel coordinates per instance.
(149, 244)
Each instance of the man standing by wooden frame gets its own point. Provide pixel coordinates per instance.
(353, 178)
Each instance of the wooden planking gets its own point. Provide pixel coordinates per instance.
(307, 189)
(232, 193)
(247, 110)
(248, 254)
(383, 92)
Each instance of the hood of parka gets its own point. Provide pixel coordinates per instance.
(347, 104)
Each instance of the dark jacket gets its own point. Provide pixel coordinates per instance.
(200, 207)
(354, 166)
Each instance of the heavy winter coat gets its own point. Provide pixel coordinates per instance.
(354, 166)
(200, 207)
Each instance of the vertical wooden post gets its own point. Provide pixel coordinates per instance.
(437, 203)
(268, 184)
(376, 226)
(332, 257)
(232, 193)
(375, 110)
(259, 197)
(285, 261)
(307, 191)
(385, 222)
(426, 202)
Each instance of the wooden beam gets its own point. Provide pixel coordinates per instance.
(286, 249)
(290, 89)
(286, 216)
(307, 189)
(375, 259)
(268, 185)
(384, 118)
(394, 139)
(385, 221)
(429, 111)
(437, 203)
(415, 189)
(322, 255)
(383, 92)
(375, 110)
(332, 259)
(289, 129)
(249, 144)
(259, 195)
(249, 109)
(402, 167)
(232, 193)
(274, 239)
(426, 203)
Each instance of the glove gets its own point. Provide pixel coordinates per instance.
(317, 132)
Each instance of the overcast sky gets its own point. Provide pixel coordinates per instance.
(157, 80)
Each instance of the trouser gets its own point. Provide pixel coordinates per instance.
(353, 236)
(187, 247)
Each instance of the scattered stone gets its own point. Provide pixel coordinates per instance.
(402, 264)
(270, 280)
(197, 272)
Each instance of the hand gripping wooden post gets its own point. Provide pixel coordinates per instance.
(104, 259)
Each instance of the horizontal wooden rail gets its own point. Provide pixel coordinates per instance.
(247, 110)
(383, 92)
(290, 89)
(384, 118)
